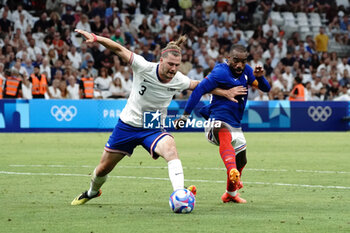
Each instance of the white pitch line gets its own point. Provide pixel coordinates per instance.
(327, 172)
(158, 178)
(192, 168)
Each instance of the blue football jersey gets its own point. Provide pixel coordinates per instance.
(221, 108)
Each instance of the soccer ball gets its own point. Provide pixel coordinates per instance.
(182, 201)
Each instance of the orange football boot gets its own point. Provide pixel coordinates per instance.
(226, 197)
(192, 189)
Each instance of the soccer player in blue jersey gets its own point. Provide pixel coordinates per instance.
(228, 134)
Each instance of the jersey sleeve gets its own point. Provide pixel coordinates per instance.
(251, 77)
(205, 86)
(138, 63)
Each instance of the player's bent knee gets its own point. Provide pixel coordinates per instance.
(167, 149)
(170, 155)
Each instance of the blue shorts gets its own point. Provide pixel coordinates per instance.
(125, 138)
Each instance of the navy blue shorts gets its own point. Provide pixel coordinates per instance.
(125, 138)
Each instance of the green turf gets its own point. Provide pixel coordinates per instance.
(33, 202)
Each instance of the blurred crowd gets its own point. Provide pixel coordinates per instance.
(42, 57)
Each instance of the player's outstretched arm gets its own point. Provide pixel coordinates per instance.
(203, 87)
(118, 49)
(229, 94)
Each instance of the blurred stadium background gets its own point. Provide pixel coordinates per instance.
(307, 40)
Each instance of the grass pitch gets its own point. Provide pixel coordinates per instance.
(293, 182)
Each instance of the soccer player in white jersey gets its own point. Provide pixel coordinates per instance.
(154, 85)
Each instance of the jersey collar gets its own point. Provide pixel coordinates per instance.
(157, 72)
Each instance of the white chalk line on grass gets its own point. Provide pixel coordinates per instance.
(192, 168)
(158, 178)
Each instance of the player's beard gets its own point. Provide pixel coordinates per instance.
(167, 75)
(170, 75)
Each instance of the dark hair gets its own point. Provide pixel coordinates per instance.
(7, 72)
(298, 79)
(238, 48)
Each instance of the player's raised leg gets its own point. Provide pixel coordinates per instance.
(99, 177)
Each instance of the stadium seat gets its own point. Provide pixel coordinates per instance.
(332, 43)
(276, 18)
(289, 22)
(324, 20)
(290, 25)
(304, 31)
(301, 15)
(302, 19)
(302, 22)
(288, 16)
(304, 28)
(315, 23)
(314, 15)
(315, 29)
(315, 20)
(344, 3)
(327, 31)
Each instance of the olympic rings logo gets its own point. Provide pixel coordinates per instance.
(319, 113)
(63, 112)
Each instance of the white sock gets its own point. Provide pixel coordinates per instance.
(234, 193)
(176, 174)
(96, 183)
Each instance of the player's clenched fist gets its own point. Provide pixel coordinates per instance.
(258, 71)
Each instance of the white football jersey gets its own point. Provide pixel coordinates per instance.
(148, 94)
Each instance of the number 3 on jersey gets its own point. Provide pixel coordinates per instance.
(143, 89)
